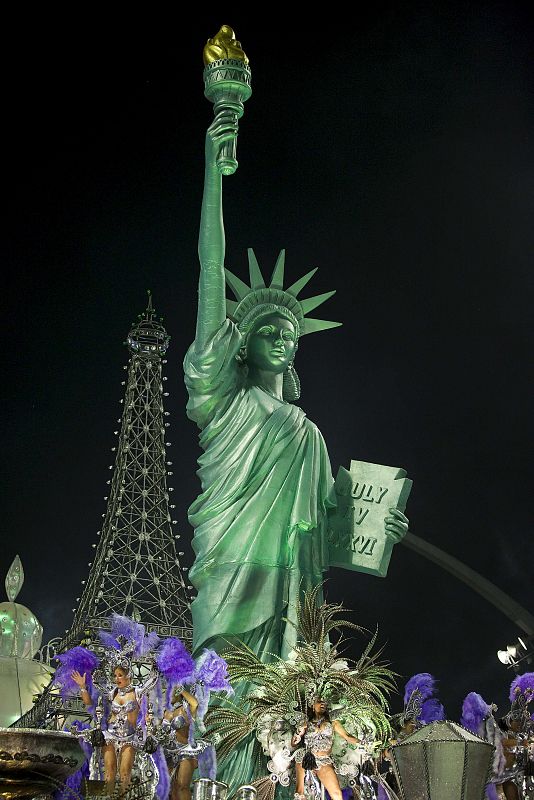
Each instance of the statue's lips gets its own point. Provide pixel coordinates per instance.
(278, 352)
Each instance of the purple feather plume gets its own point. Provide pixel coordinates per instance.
(76, 726)
(207, 764)
(72, 786)
(126, 627)
(150, 642)
(210, 676)
(130, 630)
(491, 791)
(432, 711)
(212, 671)
(108, 640)
(164, 783)
(175, 663)
(77, 659)
(474, 712)
(523, 682)
(157, 699)
(424, 682)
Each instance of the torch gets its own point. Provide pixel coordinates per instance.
(227, 84)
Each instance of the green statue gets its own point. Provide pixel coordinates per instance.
(261, 520)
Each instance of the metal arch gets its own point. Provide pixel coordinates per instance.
(503, 602)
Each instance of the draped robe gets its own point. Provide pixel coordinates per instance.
(260, 521)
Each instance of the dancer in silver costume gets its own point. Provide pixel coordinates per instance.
(122, 734)
(315, 757)
(182, 753)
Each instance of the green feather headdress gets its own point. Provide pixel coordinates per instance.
(281, 690)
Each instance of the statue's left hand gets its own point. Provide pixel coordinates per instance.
(396, 525)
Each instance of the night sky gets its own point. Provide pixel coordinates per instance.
(396, 154)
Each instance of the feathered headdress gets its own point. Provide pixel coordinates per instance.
(420, 702)
(127, 640)
(475, 711)
(175, 663)
(521, 693)
(281, 690)
(522, 683)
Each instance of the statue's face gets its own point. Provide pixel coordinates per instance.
(271, 344)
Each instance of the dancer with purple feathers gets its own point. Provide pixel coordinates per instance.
(518, 740)
(478, 717)
(128, 733)
(186, 711)
(421, 707)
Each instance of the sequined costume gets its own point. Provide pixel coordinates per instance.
(318, 740)
(120, 730)
(176, 751)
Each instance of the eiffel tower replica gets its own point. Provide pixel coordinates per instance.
(136, 569)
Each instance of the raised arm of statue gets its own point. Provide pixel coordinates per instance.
(211, 244)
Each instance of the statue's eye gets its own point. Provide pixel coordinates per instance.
(266, 330)
(289, 335)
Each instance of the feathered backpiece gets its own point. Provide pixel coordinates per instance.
(475, 711)
(175, 663)
(77, 659)
(282, 690)
(210, 675)
(423, 685)
(212, 671)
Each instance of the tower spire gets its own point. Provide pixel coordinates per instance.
(149, 309)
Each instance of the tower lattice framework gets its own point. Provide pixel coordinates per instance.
(136, 569)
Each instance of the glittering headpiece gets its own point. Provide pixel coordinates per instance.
(421, 706)
(127, 641)
(521, 694)
(413, 708)
(257, 300)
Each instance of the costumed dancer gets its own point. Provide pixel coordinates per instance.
(315, 758)
(290, 697)
(186, 708)
(478, 717)
(181, 762)
(123, 733)
(421, 707)
(518, 738)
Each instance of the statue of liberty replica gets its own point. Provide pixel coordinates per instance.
(261, 521)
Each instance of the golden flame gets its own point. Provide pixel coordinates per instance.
(223, 45)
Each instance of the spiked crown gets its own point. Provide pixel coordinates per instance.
(274, 297)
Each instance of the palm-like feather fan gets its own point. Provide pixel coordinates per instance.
(283, 689)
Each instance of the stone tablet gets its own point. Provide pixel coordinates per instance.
(356, 534)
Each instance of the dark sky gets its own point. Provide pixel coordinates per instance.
(396, 154)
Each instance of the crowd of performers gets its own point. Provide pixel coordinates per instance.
(511, 734)
(149, 698)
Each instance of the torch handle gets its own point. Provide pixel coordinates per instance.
(226, 158)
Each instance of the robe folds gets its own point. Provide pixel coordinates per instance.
(260, 523)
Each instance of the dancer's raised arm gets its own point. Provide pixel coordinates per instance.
(211, 244)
